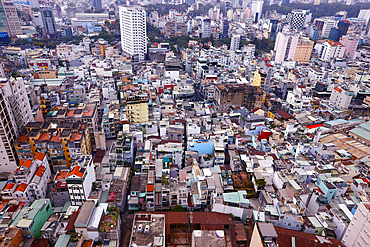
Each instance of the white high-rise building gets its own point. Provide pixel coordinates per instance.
(358, 231)
(15, 113)
(299, 18)
(206, 28)
(235, 41)
(328, 25)
(133, 31)
(256, 10)
(285, 47)
(364, 14)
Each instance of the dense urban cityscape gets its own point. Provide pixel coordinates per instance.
(184, 123)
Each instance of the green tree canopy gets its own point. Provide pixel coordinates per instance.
(178, 208)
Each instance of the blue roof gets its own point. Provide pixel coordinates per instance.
(336, 121)
(202, 147)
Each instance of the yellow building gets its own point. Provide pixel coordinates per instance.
(137, 111)
(303, 50)
(259, 78)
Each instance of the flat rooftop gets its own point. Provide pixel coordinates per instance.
(156, 233)
(209, 238)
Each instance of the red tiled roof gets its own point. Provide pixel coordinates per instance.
(75, 137)
(150, 187)
(89, 113)
(112, 197)
(9, 186)
(284, 114)
(338, 89)
(285, 237)
(40, 156)
(26, 163)
(75, 171)
(40, 171)
(23, 138)
(56, 138)
(61, 175)
(44, 137)
(21, 187)
(70, 113)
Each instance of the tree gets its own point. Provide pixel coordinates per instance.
(261, 183)
(178, 208)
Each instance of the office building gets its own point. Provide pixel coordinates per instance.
(11, 21)
(273, 28)
(328, 25)
(299, 18)
(256, 10)
(329, 50)
(335, 34)
(206, 28)
(343, 27)
(133, 31)
(351, 46)
(97, 4)
(235, 41)
(364, 14)
(225, 29)
(48, 21)
(15, 113)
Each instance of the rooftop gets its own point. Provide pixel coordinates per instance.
(148, 228)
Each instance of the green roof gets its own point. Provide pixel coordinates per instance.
(63, 240)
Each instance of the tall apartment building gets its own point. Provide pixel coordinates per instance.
(303, 50)
(358, 231)
(328, 25)
(329, 50)
(256, 10)
(133, 31)
(15, 113)
(293, 48)
(364, 14)
(80, 179)
(351, 46)
(11, 21)
(341, 98)
(234, 43)
(299, 18)
(48, 21)
(206, 28)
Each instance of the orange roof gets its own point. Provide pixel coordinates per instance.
(22, 187)
(89, 113)
(26, 163)
(9, 186)
(44, 137)
(40, 171)
(61, 175)
(40, 156)
(75, 171)
(70, 113)
(338, 89)
(23, 138)
(56, 138)
(58, 107)
(3, 205)
(150, 187)
(75, 137)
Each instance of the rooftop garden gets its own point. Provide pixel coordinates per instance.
(110, 219)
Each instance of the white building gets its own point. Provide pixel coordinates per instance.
(80, 179)
(206, 28)
(364, 14)
(38, 184)
(316, 74)
(235, 41)
(301, 96)
(89, 17)
(285, 47)
(256, 10)
(329, 50)
(328, 25)
(133, 31)
(358, 231)
(341, 98)
(15, 113)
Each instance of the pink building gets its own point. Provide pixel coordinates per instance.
(351, 46)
